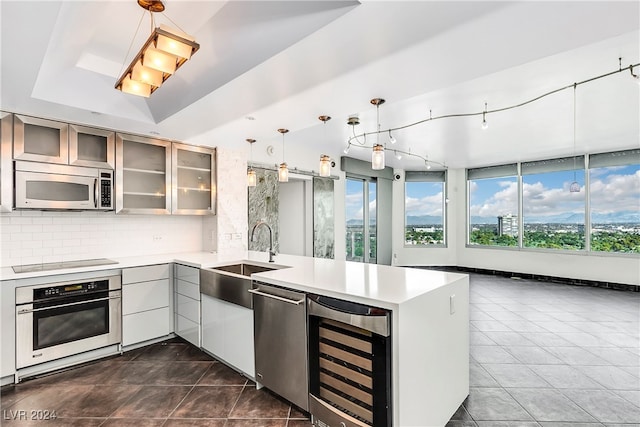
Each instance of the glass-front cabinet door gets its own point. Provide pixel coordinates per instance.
(40, 140)
(91, 147)
(143, 175)
(6, 166)
(193, 180)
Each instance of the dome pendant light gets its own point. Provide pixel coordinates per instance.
(251, 174)
(377, 155)
(325, 161)
(283, 170)
(574, 187)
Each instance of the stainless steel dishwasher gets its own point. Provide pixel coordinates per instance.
(280, 328)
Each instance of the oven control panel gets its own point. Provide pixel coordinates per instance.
(70, 289)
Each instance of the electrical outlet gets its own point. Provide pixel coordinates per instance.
(156, 238)
(237, 236)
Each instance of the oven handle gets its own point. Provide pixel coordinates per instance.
(32, 310)
(95, 193)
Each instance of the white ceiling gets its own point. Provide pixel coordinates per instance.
(285, 63)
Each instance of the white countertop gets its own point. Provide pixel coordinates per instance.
(367, 283)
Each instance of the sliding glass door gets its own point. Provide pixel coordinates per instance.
(361, 217)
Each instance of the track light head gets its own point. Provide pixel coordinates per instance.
(392, 139)
(485, 125)
(634, 75)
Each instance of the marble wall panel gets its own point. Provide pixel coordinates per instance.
(323, 218)
(263, 206)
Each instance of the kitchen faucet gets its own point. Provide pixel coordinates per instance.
(271, 251)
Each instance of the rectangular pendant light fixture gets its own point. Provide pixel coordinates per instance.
(163, 53)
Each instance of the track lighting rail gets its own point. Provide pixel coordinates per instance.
(353, 140)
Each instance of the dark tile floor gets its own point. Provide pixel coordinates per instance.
(171, 384)
(542, 355)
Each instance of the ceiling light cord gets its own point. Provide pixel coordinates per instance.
(497, 110)
(124, 62)
(173, 22)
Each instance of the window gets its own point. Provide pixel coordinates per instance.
(424, 208)
(493, 205)
(553, 216)
(614, 191)
(361, 222)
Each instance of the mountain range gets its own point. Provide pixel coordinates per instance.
(623, 217)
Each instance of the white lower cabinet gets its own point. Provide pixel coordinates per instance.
(187, 303)
(146, 303)
(227, 333)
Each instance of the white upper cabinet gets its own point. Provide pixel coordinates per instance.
(6, 167)
(143, 175)
(40, 140)
(92, 147)
(193, 180)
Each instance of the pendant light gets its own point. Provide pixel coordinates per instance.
(325, 161)
(283, 171)
(574, 187)
(251, 174)
(377, 155)
(166, 50)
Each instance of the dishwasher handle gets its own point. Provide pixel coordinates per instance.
(276, 297)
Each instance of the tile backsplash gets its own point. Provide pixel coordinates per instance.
(31, 237)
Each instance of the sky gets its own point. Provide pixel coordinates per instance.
(613, 189)
(354, 199)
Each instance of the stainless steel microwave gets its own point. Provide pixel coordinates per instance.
(61, 187)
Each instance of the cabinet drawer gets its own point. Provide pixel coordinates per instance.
(144, 296)
(188, 308)
(189, 274)
(187, 289)
(188, 330)
(147, 325)
(144, 274)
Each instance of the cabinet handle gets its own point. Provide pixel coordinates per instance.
(266, 295)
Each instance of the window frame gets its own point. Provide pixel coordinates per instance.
(427, 176)
(601, 160)
(495, 171)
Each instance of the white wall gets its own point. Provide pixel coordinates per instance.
(231, 229)
(32, 237)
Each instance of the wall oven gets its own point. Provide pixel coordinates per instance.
(49, 186)
(62, 319)
(349, 363)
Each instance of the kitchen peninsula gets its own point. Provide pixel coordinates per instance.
(429, 317)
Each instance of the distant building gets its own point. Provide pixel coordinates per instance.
(508, 225)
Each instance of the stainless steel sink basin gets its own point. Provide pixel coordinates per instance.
(231, 282)
(244, 269)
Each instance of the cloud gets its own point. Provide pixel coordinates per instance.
(539, 200)
(615, 193)
(502, 202)
(428, 205)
